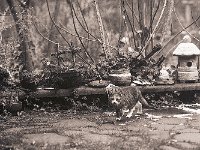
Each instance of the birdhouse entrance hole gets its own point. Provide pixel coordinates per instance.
(189, 64)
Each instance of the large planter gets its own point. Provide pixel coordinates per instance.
(14, 107)
(69, 79)
(61, 80)
(121, 77)
(28, 84)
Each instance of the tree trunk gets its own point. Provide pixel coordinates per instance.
(53, 30)
(20, 16)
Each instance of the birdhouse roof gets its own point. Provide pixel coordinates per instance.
(186, 49)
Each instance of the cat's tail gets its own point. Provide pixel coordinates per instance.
(143, 100)
(146, 104)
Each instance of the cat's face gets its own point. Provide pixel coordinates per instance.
(115, 99)
(113, 96)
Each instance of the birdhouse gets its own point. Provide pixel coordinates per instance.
(187, 54)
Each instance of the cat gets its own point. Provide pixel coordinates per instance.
(125, 99)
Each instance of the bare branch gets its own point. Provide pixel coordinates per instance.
(93, 40)
(155, 28)
(87, 28)
(183, 26)
(101, 28)
(195, 22)
(178, 34)
(129, 21)
(65, 30)
(75, 28)
(42, 34)
(132, 10)
(55, 23)
(154, 15)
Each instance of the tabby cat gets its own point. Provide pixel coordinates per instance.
(125, 99)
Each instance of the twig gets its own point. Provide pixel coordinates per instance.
(101, 28)
(134, 17)
(66, 31)
(140, 11)
(132, 29)
(183, 26)
(154, 15)
(86, 30)
(173, 47)
(60, 32)
(193, 20)
(178, 34)
(88, 35)
(151, 20)
(120, 21)
(93, 40)
(155, 28)
(132, 10)
(55, 23)
(170, 6)
(41, 33)
(85, 38)
(75, 28)
(57, 43)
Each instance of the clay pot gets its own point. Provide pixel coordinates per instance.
(69, 79)
(14, 107)
(121, 77)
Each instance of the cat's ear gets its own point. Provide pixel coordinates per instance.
(108, 91)
(108, 88)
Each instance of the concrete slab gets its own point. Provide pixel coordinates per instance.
(50, 138)
(165, 147)
(185, 145)
(188, 137)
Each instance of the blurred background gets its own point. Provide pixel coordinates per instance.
(93, 27)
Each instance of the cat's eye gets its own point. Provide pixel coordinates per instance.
(117, 98)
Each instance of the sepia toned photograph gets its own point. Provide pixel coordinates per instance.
(99, 74)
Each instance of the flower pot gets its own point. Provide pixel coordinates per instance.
(98, 83)
(121, 77)
(26, 84)
(69, 79)
(14, 107)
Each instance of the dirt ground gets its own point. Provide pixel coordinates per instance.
(167, 129)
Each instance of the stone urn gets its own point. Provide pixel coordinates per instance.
(120, 77)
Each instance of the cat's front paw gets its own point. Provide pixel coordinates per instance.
(129, 115)
(118, 118)
(139, 113)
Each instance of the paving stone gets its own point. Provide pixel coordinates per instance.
(165, 147)
(50, 138)
(164, 127)
(112, 132)
(136, 129)
(97, 138)
(134, 139)
(185, 145)
(172, 121)
(159, 135)
(13, 130)
(189, 130)
(188, 137)
(107, 127)
(195, 124)
(73, 133)
(75, 123)
(178, 127)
